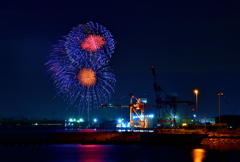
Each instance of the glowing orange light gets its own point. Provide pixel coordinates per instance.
(196, 91)
(87, 77)
(92, 43)
(198, 155)
(184, 124)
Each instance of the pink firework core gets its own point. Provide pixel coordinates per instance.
(92, 43)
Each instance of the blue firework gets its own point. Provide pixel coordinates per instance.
(72, 80)
(89, 41)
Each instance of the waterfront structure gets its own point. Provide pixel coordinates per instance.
(229, 119)
(32, 123)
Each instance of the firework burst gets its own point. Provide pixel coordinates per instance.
(90, 84)
(79, 66)
(92, 43)
(89, 41)
(87, 77)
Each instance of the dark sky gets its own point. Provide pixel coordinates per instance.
(191, 44)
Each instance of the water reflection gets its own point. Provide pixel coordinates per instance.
(93, 152)
(198, 155)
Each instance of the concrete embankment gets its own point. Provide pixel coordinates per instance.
(45, 137)
(126, 138)
(93, 137)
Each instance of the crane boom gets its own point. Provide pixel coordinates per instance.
(170, 102)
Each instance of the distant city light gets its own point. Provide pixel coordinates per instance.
(95, 120)
(122, 124)
(142, 116)
(194, 115)
(74, 120)
(151, 116)
(184, 124)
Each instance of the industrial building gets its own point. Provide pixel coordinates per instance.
(233, 120)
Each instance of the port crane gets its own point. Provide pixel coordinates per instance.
(138, 108)
(167, 106)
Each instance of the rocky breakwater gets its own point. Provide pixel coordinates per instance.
(220, 141)
(215, 138)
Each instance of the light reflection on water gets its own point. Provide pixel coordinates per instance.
(198, 155)
(78, 152)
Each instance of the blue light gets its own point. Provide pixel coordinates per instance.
(151, 116)
(95, 120)
(119, 121)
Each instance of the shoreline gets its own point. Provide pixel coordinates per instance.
(41, 137)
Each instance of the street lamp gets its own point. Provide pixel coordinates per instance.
(219, 94)
(196, 92)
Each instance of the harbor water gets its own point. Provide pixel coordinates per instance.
(79, 152)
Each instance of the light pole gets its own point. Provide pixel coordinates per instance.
(219, 94)
(196, 92)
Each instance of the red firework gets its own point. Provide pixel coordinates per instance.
(92, 43)
(87, 77)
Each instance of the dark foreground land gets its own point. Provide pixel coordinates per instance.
(15, 137)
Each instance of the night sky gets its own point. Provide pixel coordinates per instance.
(191, 44)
